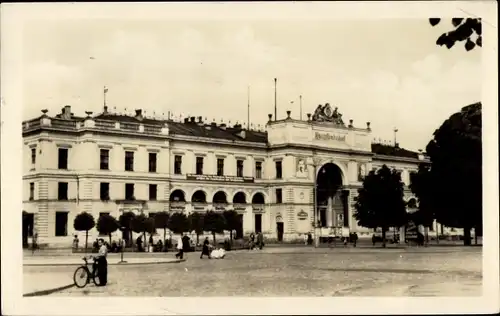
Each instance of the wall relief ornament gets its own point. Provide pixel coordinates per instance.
(301, 170)
(361, 172)
(324, 113)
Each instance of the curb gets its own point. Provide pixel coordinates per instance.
(49, 291)
(109, 264)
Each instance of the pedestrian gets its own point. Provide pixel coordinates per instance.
(260, 240)
(354, 239)
(75, 243)
(252, 241)
(206, 249)
(34, 241)
(306, 237)
(180, 248)
(102, 263)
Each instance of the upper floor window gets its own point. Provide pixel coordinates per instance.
(63, 158)
(104, 159)
(153, 190)
(413, 176)
(104, 191)
(32, 191)
(129, 192)
(62, 191)
(220, 166)
(33, 156)
(129, 161)
(61, 224)
(258, 169)
(152, 162)
(178, 164)
(279, 196)
(279, 170)
(199, 165)
(239, 168)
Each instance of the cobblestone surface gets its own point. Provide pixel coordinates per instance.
(298, 272)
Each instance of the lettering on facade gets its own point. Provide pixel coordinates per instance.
(302, 215)
(328, 136)
(206, 177)
(258, 209)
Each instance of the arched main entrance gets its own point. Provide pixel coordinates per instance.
(331, 198)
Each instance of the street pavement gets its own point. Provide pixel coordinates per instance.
(295, 271)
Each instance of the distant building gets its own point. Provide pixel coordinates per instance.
(111, 163)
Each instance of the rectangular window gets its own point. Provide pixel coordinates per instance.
(178, 165)
(63, 158)
(258, 169)
(104, 192)
(279, 196)
(62, 191)
(220, 166)
(129, 191)
(279, 173)
(412, 177)
(129, 161)
(32, 191)
(33, 156)
(152, 162)
(258, 223)
(199, 165)
(239, 168)
(153, 189)
(104, 159)
(61, 224)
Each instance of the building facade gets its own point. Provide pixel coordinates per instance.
(275, 179)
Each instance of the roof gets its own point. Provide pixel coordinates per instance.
(386, 150)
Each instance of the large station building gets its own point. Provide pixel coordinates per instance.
(111, 163)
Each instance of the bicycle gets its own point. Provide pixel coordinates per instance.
(83, 274)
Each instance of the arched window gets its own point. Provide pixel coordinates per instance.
(199, 197)
(258, 198)
(177, 196)
(239, 198)
(220, 198)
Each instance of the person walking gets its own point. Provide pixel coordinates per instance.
(180, 248)
(206, 249)
(34, 241)
(260, 240)
(75, 243)
(102, 263)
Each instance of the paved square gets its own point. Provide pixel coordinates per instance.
(439, 271)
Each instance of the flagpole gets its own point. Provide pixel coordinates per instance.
(275, 101)
(300, 98)
(104, 92)
(248, 107)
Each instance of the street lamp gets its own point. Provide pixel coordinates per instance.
(121, 247)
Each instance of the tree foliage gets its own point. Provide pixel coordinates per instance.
(84, 222)
(196, 224)
(214, 222)
(106, 225)
(125, 220)
(138, 223)
(178, 223)
(425, 215)
(380, 201)
(232, 221)
(464, 29)
(453, 185)
(161, 221)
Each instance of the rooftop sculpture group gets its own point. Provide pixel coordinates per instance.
(324, 113)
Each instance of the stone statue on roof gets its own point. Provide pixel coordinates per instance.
(324, 113)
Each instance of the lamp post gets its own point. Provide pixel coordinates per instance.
(121, 247)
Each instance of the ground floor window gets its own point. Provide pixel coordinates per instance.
(258, 223)
(239, 229)
(61, 224)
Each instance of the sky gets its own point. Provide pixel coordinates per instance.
(387, 71)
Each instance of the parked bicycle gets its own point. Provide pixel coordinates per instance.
(83, 275)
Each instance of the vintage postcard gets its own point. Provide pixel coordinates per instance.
(249, 158)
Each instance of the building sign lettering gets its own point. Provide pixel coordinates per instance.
(207, 177)
(328, 136)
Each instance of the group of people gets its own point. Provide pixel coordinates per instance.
(253, 243)
(183, 245)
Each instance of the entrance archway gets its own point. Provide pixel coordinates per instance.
(331, 199)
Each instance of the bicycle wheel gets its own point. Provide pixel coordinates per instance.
(96, 279)
(81, 277)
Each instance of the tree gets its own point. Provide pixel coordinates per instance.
(178, 223)
(161, 221)
(232, 220)
(419, 186)
(468, 30)
(453, 186)
(84, 222)
(380, 201)
(125, 221)
(196, 224)
(106, 225)
(149, 226)
(214, 222)
(138, 224)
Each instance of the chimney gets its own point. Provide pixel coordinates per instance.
(193, 119)
(351, 123)
(213, 124)
(222, 126)
(308, 117)
(186, 120)
(138, 114)
(288, 114)
(200, 121)
(270, 117)
(368, 126)
(105, 110)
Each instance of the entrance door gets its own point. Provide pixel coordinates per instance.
(258, 223)
(239, 229)
(280, 229)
